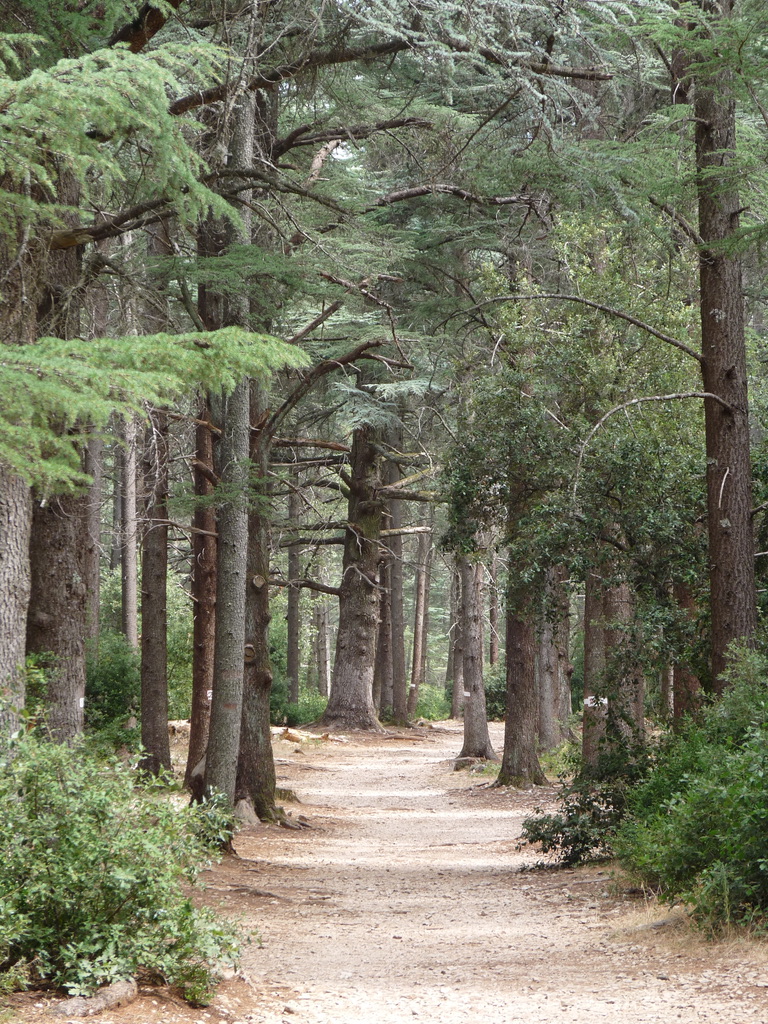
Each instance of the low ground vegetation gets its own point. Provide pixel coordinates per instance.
(96, 874)
(689, 820)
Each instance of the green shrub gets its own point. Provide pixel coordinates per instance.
(93, 869)
(697, 826)
(309, 708)
(433, 704)
(113, 682)
(496, 692)
(592, 805)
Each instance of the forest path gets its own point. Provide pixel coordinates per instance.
(407, 900)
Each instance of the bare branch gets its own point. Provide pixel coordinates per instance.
(638, 401)
(273, 78)
(302, 137)
(308, 442)
(144, 26)
(416, 191)
(686, 227)
(310, 378)
(321, 588)
(602, 309)
(319, 319)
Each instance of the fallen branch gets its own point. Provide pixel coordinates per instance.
(120, 993)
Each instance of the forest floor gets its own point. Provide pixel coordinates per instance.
(408, 900)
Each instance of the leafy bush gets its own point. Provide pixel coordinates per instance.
(697, 826)
(583, 829)
(592, 806)
(114, 671)
(433, 704)
(91, 887)
(496, 692)
(309, 708)
(113, 681)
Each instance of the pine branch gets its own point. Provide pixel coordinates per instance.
(285, 72)
(299, 137)
(308, 442)
(321, 588)
(311, 377)
(144, 26)
(416, 191)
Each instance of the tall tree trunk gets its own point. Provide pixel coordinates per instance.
(449, 661)
(493, 609)
(456, 644)
(116, 545)
(520, 763)
(56, 624)
(554, 689)
(231, 415)
(729, 475)
(256, 765)
(686, 686)
(626, 726)
(351, 701)
(203, 595)
(154, 610)
(324, 649)
(420, 612)
(15, 530)
(477, 741)
(129, 553)
(94, 466)
(294, 603)
(595, 699)
(382, 672)
(224, 759)
(57, 609)
(401, 704)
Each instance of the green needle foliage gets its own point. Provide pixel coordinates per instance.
(54, 389)
(93, 873)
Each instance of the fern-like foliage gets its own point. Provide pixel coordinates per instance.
(55, 389)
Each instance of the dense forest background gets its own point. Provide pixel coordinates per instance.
(372, 361)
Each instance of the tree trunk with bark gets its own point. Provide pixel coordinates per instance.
(456, 646)
(477, 741)
(729, 473)
(420, 614)
(686, 686)
(231, 416)
(154, 605)
(203, 595)
(493, 609)
(595, 698)
(94, 467)
(294, 603)
(129, 536)
(57, 609)
(256, 765)
(400, 695)
(351, 701)
(382, 671)
(626, 697)
(520, 763)
(554, 686)
(15, 530)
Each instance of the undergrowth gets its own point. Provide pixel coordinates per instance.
(94, 874)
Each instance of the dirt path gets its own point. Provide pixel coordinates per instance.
(406, 902)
